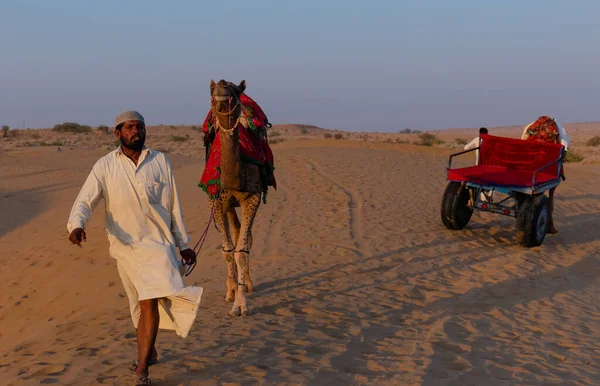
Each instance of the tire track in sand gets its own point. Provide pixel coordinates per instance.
(354, 208)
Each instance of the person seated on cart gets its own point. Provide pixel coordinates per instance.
(547, 129)
(475, 144)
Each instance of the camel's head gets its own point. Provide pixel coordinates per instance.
(225, 96)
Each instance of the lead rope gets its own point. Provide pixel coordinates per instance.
(199, 244)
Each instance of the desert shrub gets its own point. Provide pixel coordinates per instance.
(573, 157)
(327, 135)
(102, 128)
(461, 141)
(396, 141)
(427, 139)
(5, 129)
(274, 134)
(406, 131)
(304, 130)
(338, 136)
(179, 138)
(196, 128)
(55, 143)
(594, 141)
(72, 127)
(276, 141)
(172, 127)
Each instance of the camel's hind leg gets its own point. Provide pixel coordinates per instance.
(221, 222)
(234, 222)
(250, 205)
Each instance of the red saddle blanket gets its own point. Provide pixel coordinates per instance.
(254, 148)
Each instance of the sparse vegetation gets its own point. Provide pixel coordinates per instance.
(55, 143)
(461, 141)
(338, 136)
(427, 139)
(573, 157)
(5, 129)
(276, 141)
(397, 141)
(172, 127)
(406, 131)
(304, 130)
(102, 129)
(416, 132)
(72, 127)
(36, 136)
(196, 128)
(274, 134)
(594, 141)
(327, 135)
(179, 138)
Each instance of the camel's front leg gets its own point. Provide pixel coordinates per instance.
(249, 205)
(220, 216)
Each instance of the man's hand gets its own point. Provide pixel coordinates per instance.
(188, 256)
(77, 236)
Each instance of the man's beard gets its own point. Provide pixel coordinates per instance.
(135, 146)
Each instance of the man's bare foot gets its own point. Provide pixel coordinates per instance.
(552, 230)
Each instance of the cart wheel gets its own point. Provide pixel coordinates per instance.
(455, 210)
(532, 221)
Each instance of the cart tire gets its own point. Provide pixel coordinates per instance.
(455, 210)
(532, 221)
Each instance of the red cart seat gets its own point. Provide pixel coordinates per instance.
(511, 162)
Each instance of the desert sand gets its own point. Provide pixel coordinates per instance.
(357, 280)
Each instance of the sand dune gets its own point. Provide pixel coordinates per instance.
(357, 280)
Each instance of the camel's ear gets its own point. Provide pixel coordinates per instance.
(242, 85)
(212, 86)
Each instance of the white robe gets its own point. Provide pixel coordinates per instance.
(144, 224)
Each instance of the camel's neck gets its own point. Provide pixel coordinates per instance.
(231, 167)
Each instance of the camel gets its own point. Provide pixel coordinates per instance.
(241, 185)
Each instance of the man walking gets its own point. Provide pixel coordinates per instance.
(144, 224)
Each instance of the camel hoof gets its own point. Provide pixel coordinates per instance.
(249, 290)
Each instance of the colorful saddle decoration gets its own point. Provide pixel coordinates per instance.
(254, 148)
(543, 129)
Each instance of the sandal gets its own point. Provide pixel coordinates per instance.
(144, 381)
(134, 365)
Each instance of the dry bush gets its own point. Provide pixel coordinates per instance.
(327, 135)
(573, 157)
(179, 138)
(427, 139)
(338, 136)
(594, 141)
(72, 127)
(461, 141)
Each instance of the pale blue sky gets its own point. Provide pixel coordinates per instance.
(353, 65)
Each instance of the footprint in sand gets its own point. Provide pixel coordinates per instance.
(52, 370)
